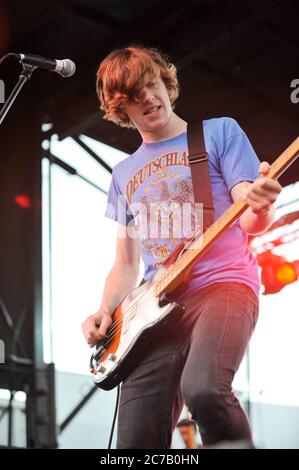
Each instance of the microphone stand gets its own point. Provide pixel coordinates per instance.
(23, 78)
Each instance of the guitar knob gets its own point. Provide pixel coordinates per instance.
(101, 369)
(112, 357)
(164, 300)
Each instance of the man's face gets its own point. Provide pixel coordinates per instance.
(152, 109)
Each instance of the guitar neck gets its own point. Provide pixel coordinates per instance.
(176, 271)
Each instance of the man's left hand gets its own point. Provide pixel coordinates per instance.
(263, 192)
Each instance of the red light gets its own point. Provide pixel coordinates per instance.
(23, 201)
(286, 273)
(277, 272)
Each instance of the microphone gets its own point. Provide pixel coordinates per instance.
(65, 67)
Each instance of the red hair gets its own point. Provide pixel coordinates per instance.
(123, 74)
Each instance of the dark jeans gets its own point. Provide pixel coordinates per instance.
(193, 360)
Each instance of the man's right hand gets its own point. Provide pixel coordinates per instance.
(95, 327)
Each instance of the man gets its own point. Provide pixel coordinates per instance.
(195, 358)
(188, 430)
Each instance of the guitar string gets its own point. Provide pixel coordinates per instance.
(117, 325)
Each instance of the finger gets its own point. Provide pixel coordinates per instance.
(258, 193)
(264, 168)
(261, 211)
(258, 204)
(90, 331)
(267, 184)
(92, 342)
(105, 323)
(91, 339)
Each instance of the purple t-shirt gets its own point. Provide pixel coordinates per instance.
(158, 175)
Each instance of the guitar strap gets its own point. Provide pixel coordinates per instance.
(198, 161)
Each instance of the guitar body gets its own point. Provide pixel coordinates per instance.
(135, 321)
